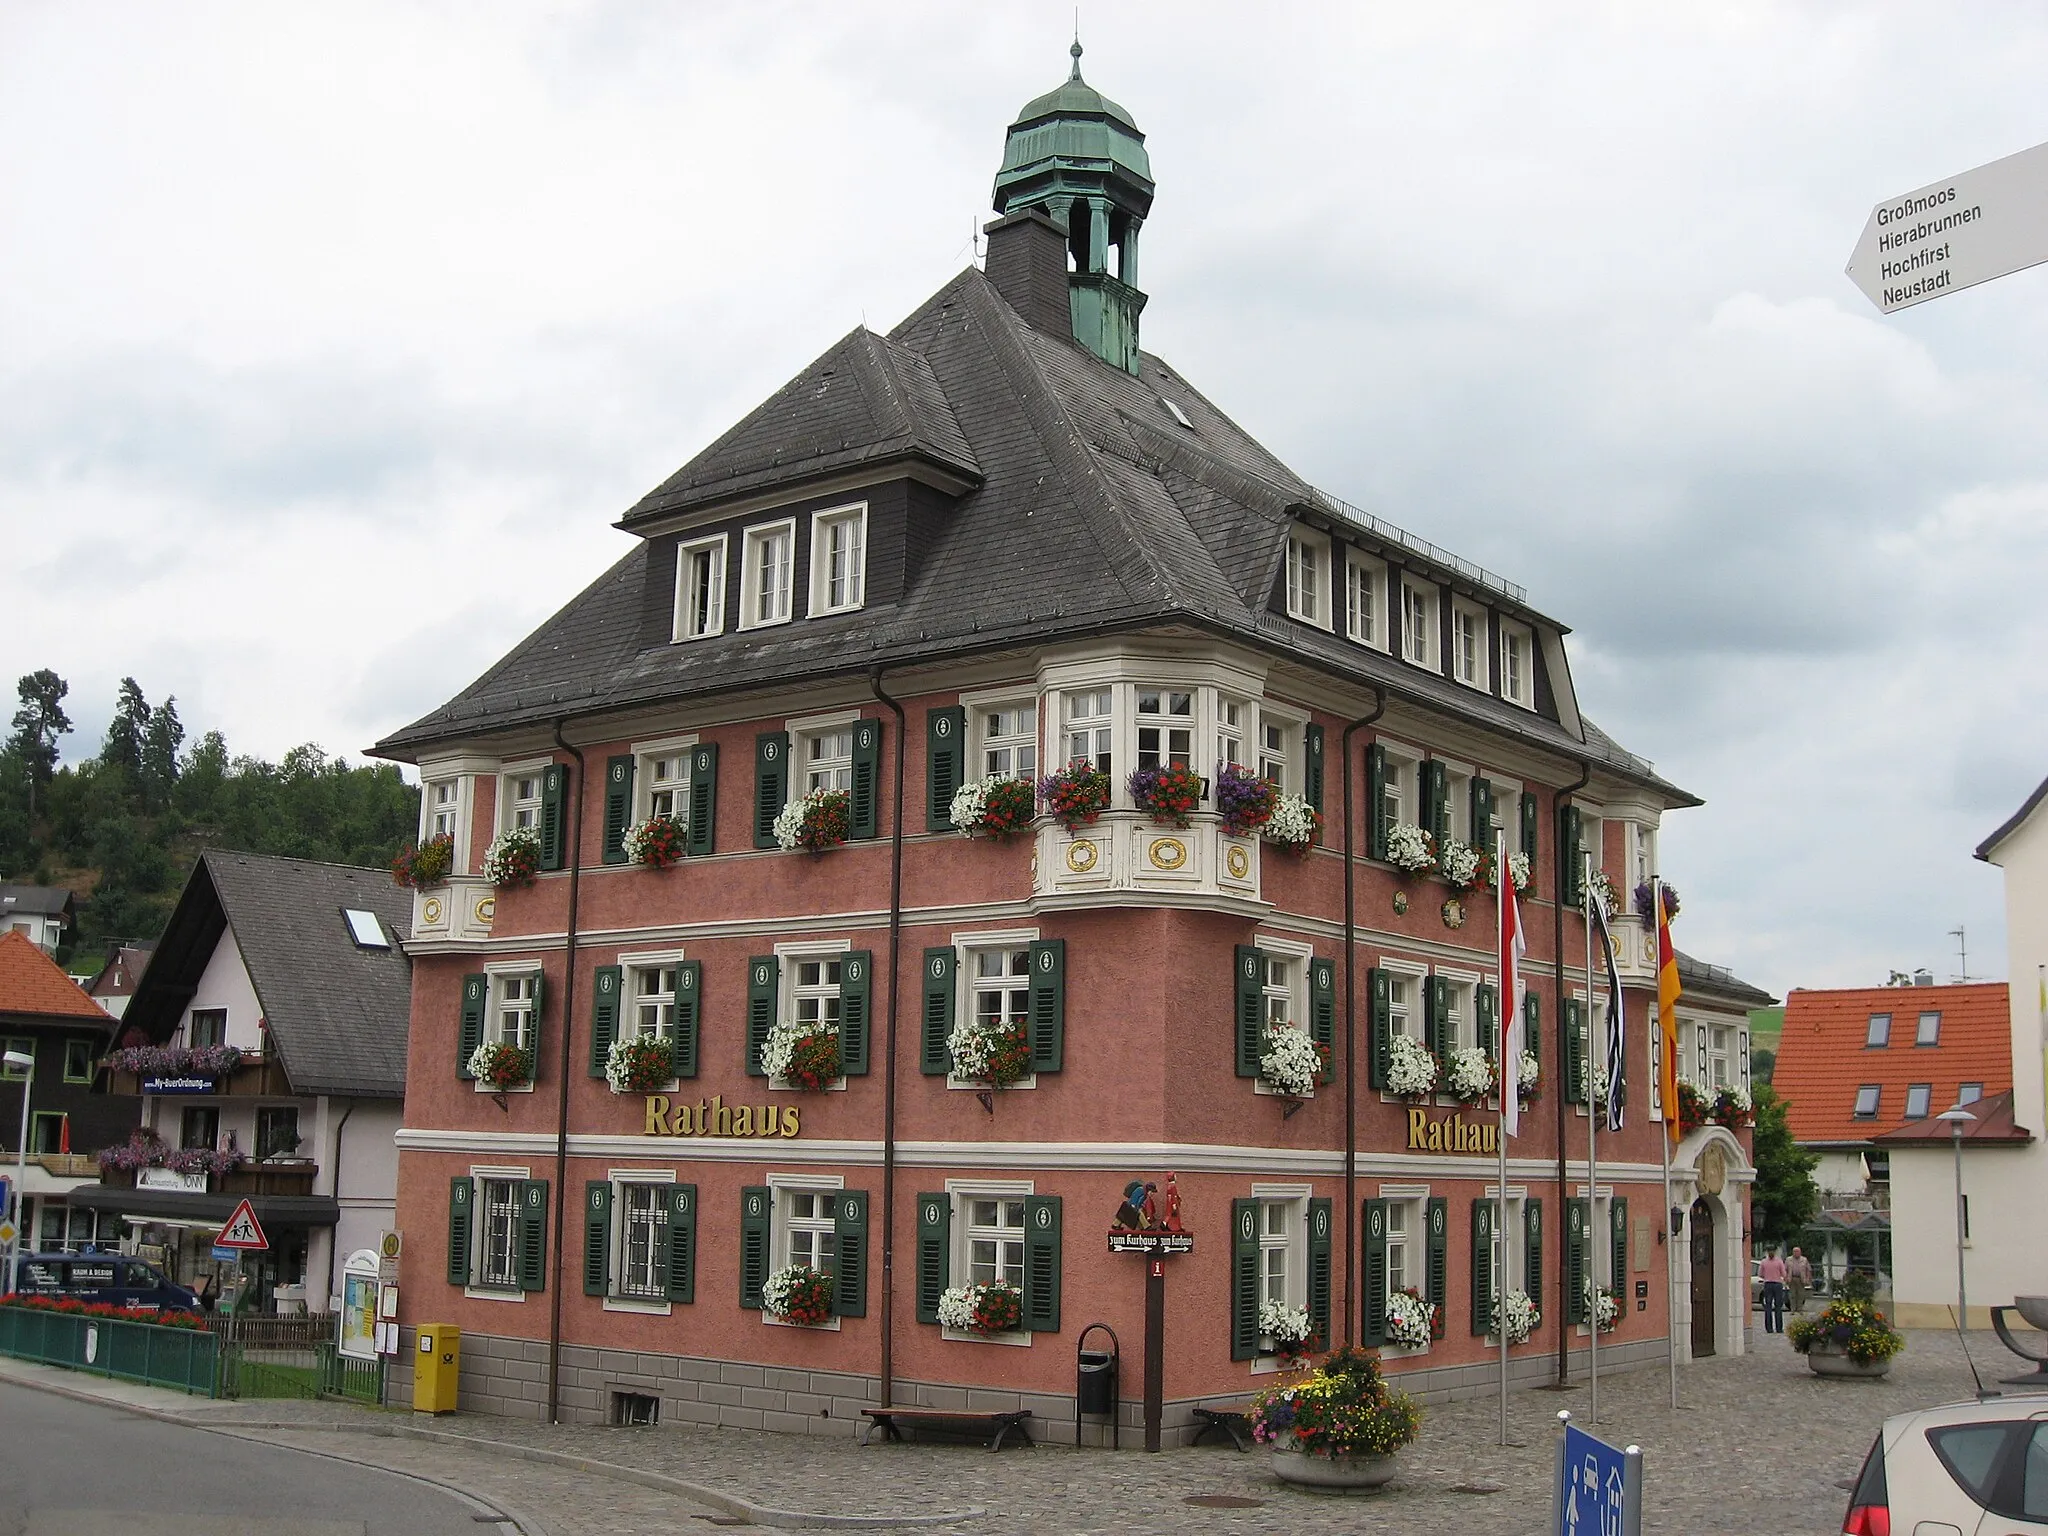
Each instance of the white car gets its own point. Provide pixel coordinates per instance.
(1967, 1469)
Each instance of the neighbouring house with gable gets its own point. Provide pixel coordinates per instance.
(697, 920)
(40, 913)
(266, 1040)
(44, 1015)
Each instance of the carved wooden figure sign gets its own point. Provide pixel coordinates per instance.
(1141, 1226)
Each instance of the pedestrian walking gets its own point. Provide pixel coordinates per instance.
(1772, 1273)
(1798, 1280)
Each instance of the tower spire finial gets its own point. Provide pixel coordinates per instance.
(1076, 49)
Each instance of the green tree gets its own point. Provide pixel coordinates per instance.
(160, 745)
(1784, 1198)
(127, 732)
(37, 725)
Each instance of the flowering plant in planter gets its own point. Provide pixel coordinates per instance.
(425, 865)
(639, 1064)
(804, 1054)
(798, 1294)
(820, 820)
(73, 1306)
(1604, 892)
(1411, 1070)
(1294, 825)
(656, 842)
(1694, 1107)
(145, 1149)
(1343, 1408)
(1075, 796)
(1469, 1074)
(1245, 801)
(984, 1308)
(1849, 1325)
(1603, 1304)
(992, 1051)
(1643, 900)
(500, 1064)
(176, 1060)
(998, 807)
(1410, 849)
(1290, 1061)
(513, 857)
(1459, 863)
(1170, 794)
(1411, 1321)
(1732, 1107)
(1290, 1328)
(1518, 870)
(1528, 1077)
(1522, 1316)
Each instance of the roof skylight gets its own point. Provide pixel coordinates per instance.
(364, 928)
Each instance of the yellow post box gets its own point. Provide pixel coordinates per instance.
(437, 1368)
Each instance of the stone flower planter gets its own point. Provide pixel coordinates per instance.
(1337, 1474)
(1826, 1360)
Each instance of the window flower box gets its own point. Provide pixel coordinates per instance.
(1523, 1317)
(997, 1053)
(1462, 866)
(1605, 1305)
(1168, 795)
(1411, 1070)
(803, 1055)
(426, 865)
(1410, 849)
(1643, 900)
(639, 1064)
(819, 821)
(985, 1309)
(145, 1149)
(996, 807)
(1604, 893)
(513, 857)
(1733, 1108)
(1290, 1061)
(1294, 825)
(1694, 1107)
(1289, 1330)
(656, 842)
(499, 1065)
(1529, 1077)
(1411, 1321)
(1244, 800)
(798, 1294)
(1469, 1074)
(1075, 796)
(214, 1061)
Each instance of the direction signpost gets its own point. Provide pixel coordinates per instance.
(1599, 1489)
(1956, 233)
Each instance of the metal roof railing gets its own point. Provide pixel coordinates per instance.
(1435, 553)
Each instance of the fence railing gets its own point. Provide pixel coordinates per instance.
(303, 1330)
(184, 1358)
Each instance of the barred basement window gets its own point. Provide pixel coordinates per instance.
(644, 1224)
(499, 1268)
(635, 1408)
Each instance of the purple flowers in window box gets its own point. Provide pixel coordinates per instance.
(1243, 799)
(176, 1060)
(1643, 900)
(145, 1149)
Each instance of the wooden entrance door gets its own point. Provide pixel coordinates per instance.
(1702, 1279)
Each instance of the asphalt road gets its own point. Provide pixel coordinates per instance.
(76, 1469)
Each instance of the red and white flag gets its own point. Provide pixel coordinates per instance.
(1513, 1035)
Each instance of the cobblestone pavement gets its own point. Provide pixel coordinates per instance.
(1759, 1447)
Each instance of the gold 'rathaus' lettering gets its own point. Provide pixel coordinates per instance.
(1450, 1133)
(714, 1117)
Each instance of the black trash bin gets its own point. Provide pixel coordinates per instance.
(1095, 1382)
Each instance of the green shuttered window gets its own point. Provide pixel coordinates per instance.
(1484, 1001)
(1312, 759)
(533, 1234)
(1532, 1255)
(1048, 1004)
(771, 785)
(1618, 1257)
(701, 840)
(1042, 1263)
(850, 1254)
(597, 1237)
(762, 972)
(1320, 1223)
(1438, 1260)
(864, 813)
(1322, 1011)
(934, 1251)
(1379, 814)
(1381, 1060)
(618, 807)
(1249, 1007)
(461, 1228)
(1244, 1279)
(945, 764)
(605, 985)
(1436, 799)
(476, 997)
(689, 1016)
(682, 1243)
(1570, 848)
(1372, 1321)
(1574, 1042)
(1483, 1214)
(941, 973)
(1575, 1270)
(554, 815)
(1532, 817)
(757, 1206)
(856, 1010)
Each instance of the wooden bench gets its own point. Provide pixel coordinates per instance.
(993, 1427)
(1235, 1425)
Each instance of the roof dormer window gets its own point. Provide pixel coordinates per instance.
(765, 576)
(1308, 578)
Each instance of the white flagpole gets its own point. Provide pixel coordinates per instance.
(1592, 1155)
(1503, 1032)
(1656, 1058)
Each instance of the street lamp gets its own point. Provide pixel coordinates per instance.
(25, 1064)
(1957, 1118)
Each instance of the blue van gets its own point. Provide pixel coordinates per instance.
(108, 1277)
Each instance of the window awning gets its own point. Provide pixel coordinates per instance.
(173, 1205)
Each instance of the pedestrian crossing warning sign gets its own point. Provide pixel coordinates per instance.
(242, 1231)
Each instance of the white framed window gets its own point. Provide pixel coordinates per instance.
(804, 1229)
(640, 1222)
(1517, 664)
(1459, 1027)
(839, 559)
(1402, 787)
(1283, 1253)
(1280, 735)
(1407, 1251)
(1006, 739)
(994, 987)
(1510, 1241)
(650, 996)
(1365, 600)
(1308, 578)
(1507, 813)
(1405, 981)
(1458, 797)
(440, 807)
(514, 1008)
(765, 572)
(1721, 1057)
(987, 1242)
(1090, 726)
(497, 1266)
(662, 781)
(1233, 725)
(825, 758)
(1283, 989)
(700, 589)
(519, 795)
(1641, 852)
(1419, 624)
(1166, 727)
(1468, 644)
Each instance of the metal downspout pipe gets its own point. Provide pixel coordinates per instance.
(889, 1052)
(334, 1187)
(1563, 1088)
(1351, 1030)
(574, 836)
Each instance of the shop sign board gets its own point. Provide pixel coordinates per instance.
(1157, 1245)
(170, 1178)
(182, 1083)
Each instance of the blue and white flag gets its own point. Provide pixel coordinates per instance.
(1617, 1031)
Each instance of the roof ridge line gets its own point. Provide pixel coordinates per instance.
(883, 363)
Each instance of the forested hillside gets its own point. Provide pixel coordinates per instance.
(123, 828)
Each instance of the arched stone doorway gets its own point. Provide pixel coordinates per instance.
(1704, 1312)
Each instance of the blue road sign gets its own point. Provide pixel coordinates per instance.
(1599, 1488)
(6, 1195)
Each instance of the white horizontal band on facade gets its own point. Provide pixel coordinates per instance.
(1075, 1156)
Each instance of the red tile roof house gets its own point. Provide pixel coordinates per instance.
(43, 1014)
(1857, 1063)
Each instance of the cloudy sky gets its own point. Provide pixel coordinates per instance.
(333, 338)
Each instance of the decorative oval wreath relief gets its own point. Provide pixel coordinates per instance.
(1080, 857)
(1400, 903)
(1169, 852)
(1454, 913)
(1238, 863)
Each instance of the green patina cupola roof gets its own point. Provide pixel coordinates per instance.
(1073, 139)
